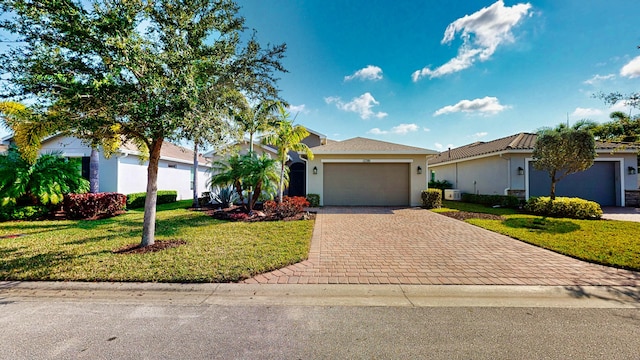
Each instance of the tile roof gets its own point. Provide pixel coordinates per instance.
(360, 145)
(171, 151)
(521, 141)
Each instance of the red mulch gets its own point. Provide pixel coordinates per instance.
(234, 214)
(464, 215)
(157, 246)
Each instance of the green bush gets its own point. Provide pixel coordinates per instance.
(314, 200)
(564, 207)
(431, 198)
(136, 200)
(34, 212)
(509, 201)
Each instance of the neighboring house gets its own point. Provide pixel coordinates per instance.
(505, 166)
(366, 172)
(125, 173)
(3, 148)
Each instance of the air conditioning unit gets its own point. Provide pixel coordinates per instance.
(452, 194)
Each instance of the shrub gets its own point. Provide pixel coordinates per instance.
(575, 208)
(86, 206)
(313, 199)
(136, 200)
(223, 195)
(290, 206)
(23, 212)
(431, 198)
(509, 201)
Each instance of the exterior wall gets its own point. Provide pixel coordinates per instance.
(132, 177)
(108, 173)
(418, 182)
(481, 176)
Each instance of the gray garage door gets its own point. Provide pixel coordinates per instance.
(598, 183)
(366, 184)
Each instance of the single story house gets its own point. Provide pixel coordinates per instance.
(126, 173)
(366, 172)
(505, 166)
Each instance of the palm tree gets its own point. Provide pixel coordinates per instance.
(44, 181)
(30, 128)
(285, 138)
(245, 172)
(252, 120)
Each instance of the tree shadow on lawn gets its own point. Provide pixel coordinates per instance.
(543, 225)
(40, 265)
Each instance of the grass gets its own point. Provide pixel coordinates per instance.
(216, 251)
(606, 242)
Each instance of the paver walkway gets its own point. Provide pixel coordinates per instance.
(417, 246)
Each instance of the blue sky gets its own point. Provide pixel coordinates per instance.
(447, 73)
(435, 74)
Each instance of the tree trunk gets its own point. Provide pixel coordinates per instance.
(149, 226)
(94, 171)
(196, 202)
(552, 194)
(250, 192)
(281, 187)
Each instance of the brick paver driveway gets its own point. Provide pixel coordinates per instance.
(416, 246)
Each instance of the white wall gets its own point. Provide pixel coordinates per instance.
(481, 176)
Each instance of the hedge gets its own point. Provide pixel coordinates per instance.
(88, 206)
(32, 212)
(509, 201)
(564, 207)
(431, 198)
(136, 200)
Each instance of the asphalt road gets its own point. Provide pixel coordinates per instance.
(180, 324)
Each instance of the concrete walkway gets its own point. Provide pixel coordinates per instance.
(416, 246)
(621, 213)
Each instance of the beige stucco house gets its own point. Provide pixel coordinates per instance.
(367, 172)
(505, 166)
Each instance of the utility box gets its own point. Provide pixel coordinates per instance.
(452, 194)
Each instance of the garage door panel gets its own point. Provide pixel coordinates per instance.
(357, 184)
(598, 183)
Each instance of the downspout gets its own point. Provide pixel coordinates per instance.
(506, 190)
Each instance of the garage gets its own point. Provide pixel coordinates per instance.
(366, 184)
(599, 183)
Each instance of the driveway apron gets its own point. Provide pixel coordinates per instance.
(416, 246)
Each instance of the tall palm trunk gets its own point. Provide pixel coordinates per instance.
(281, 185)
(149, 225)
(94, 171)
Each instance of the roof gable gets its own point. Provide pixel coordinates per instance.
(360, 145)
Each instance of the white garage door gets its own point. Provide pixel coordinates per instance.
(366, 184)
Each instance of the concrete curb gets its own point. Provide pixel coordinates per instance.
(326, 295)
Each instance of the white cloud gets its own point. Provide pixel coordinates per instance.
(426, 129)
(486, 105)
(401, 129)
(632, 68)
(479, 135)
(371, 72)
(442, 147)
(585, 112)
(362, 105)
(294, 109)
(620, 106)
(598, 78)
(481, 32)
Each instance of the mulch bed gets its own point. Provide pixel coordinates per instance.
(234, 213)
(157, 246)
(464, 215)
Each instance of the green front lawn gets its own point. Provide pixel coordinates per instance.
(607, 242)
(215, 251)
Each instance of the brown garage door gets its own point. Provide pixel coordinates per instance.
(366, 184)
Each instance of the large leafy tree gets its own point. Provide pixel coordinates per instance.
(132, 66)
(622, 128)
(45, 181)
(562, 151)
(287, 137)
